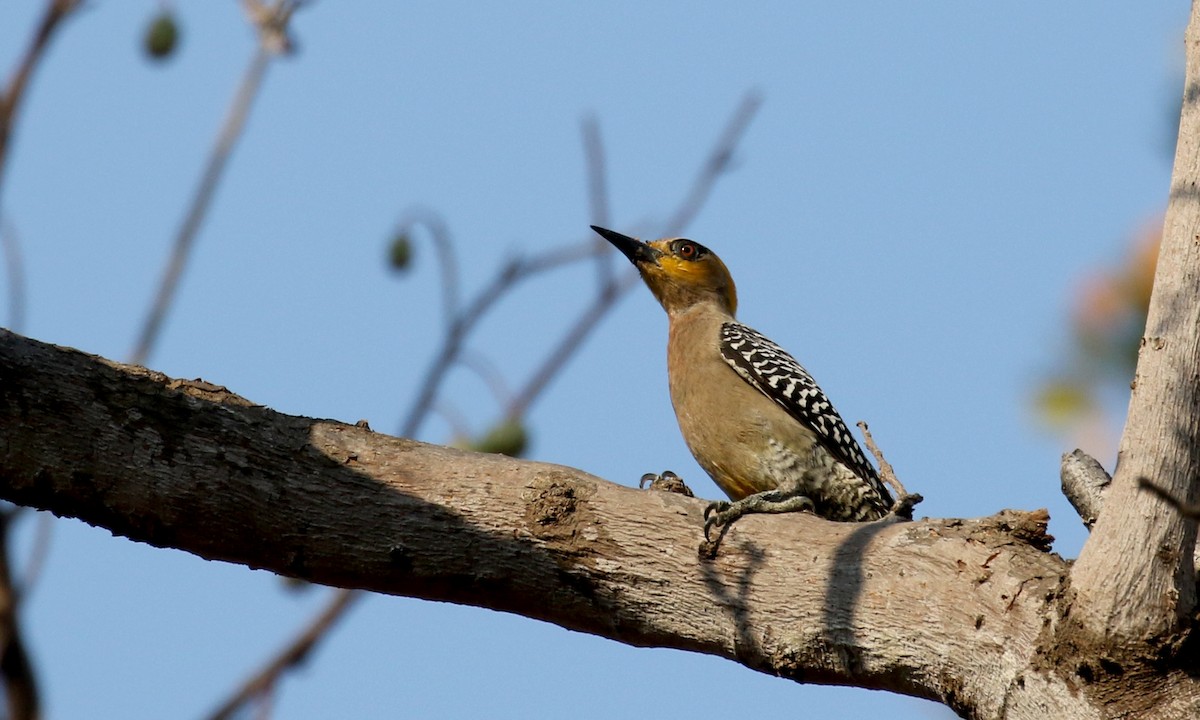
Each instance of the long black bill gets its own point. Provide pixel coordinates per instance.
(637, 251)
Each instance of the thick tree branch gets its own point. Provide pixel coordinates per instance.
(943, 609)
(1135, 581)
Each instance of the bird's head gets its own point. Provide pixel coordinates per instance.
(681, 273)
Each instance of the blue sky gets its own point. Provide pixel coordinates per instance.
(909, 214)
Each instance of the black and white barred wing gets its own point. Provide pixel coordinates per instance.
(777, 375)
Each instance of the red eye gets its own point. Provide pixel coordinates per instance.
(687, 249)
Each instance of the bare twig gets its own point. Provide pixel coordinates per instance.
(10, 100)
(597, 175)
(184, 239)
(444, 247)
(271, 22)
(14, 267)
(597, 188)
(16, 671)
(291, 656)
(1186, 509)
(273, 40)
(266, 703)
(469, 316)
(489, 373)
(715, 165)
(459, 427)
(905, 502)
(570, 342)
(886, 472)
(42, 532)
(1084, 481)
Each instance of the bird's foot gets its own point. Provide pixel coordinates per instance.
(722, 513)
(666, 482)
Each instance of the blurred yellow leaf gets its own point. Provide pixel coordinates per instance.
(1061, 403)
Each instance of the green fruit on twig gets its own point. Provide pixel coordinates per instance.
(161, 36)
(400, 251)
(508, 437)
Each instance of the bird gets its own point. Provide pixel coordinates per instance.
(751, 415)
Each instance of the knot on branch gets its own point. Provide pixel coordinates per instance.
(1027, 527)
(554, 504)
(556, 507)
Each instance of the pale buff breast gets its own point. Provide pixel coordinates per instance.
(732, 423)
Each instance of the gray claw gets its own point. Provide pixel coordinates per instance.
(666, 482)
(715, 515)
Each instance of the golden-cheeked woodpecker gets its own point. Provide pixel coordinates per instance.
(752, 416)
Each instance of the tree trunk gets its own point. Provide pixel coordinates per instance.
(1149, 595)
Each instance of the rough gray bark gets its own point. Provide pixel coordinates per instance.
(961, 611)
(188, 465)
(1134, 584)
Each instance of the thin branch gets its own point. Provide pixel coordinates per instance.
(273, 40)
(905, 502)
(10, 99)
(459, 427)
(443, 245)
(293, 655)
(271, 22)
(16, 671)
(14, 267)
(597, 191)
(489, 373)
(43, 531)
(597, 175)
(717, 163)
(570, 342)
(886, 472)
(185, 237)
(266, 703)
(555, 258)
(508, 277)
